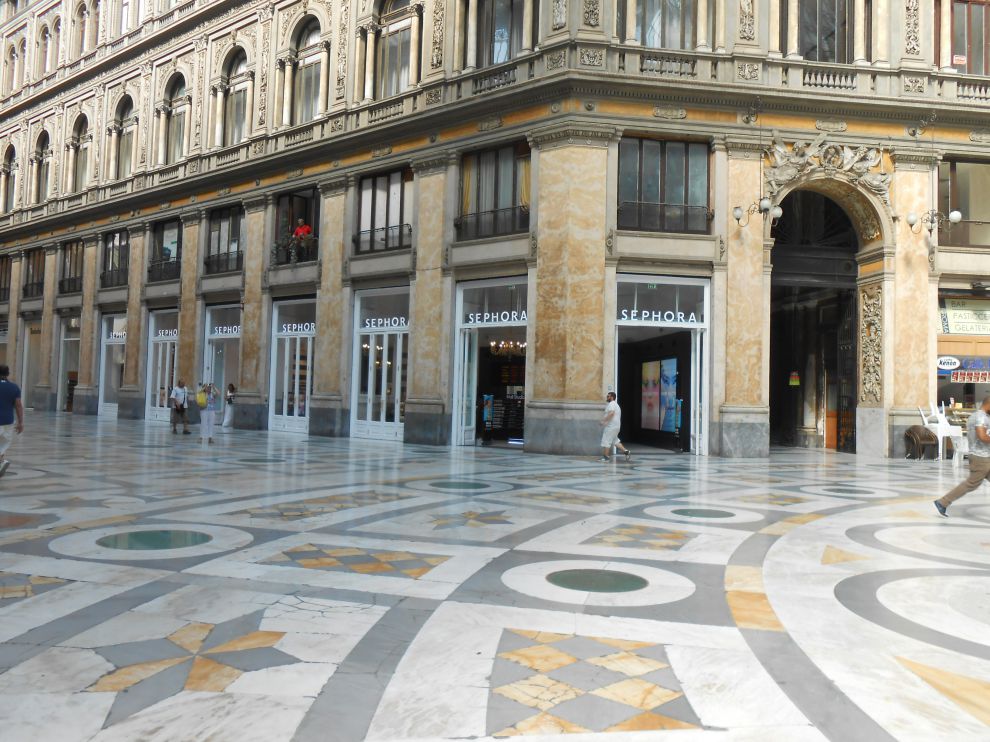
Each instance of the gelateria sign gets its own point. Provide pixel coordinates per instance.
(966, 316)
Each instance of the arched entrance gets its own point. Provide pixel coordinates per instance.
(813, 325)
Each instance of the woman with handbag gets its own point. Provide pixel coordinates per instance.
(207, 416)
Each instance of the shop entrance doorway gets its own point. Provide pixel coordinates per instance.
(68, 363)
(293, 339)
(381, 355)
(813, 325)
(112, 350)
(163, 350)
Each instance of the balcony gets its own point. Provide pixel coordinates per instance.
(290, 251)
(382, 239)
(225, 262)
(654, 217)
(34, 289)
(163, 270)
(492, 223)
(114, 277)
(70, 285)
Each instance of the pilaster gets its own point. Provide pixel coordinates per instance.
(132, 402)
(44, 395)
(190, 309)
(250, 411)
(14, 359)
(86, 397)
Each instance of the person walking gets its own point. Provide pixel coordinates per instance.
(10, 406)
(979, 458)
(228, 410)
(611, 423)
(180, 400)
(207, 416)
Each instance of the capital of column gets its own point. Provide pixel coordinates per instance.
(114, 129)
(255, 203)
(574, 134)
(915, 160)
(189, 218)
(435, 163)
(333, 187)
(219, 88)
(162, 110)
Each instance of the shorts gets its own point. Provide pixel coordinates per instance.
(610, 436)
(179, 417)
(6, 437)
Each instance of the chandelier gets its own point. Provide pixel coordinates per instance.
(507, 348)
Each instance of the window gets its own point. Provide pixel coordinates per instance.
(80, 33)
(71, 261)
(116, 254)
(495, 192)
(386, 207)
(125, 17)
(8, 175)
(166, 251)
(44, 48)
(970, 35)
(235, 113)
(42, 161)
(10, 71)
(56, 45)
(664, 24)
(306, 84)
(4, 278)
(663, 186)
(34, 273)
(224, 251)
(292, 246)
(79, 155)
(826, 31)
(395, 48)
(500, 30)
(962, 186)
(123, 138)
(22, 59)
(175, 130)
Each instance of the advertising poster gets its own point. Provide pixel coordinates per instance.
(650, 396)
(668, 395)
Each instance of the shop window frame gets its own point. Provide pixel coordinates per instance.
(396, 233)
(477, 223)
(115, 259)
(71, 267)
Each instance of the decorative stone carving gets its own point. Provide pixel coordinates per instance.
(337, 125)
(533, 244)
(559, 14)
(747, 21)
(436, 52)
(721, 249)
(490, 124)
(381, 151)
(669, 112)
(434, 96)
(266, 29)
(912, 27)
(592, 57)
(610, 242)
(871, 345)
(831, 125)
(861, 165)
(979, 135)
(592, 14)
(748, 71)
(914, 85)
(556, 60)
(342, 49)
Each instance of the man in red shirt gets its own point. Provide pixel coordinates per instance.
(303, 230)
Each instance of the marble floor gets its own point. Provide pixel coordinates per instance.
(276, 587)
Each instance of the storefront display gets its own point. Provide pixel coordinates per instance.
(31, 368)
(293, 338)
(113, 341)
(381, 353)
(221, 364)
(163, 348)
(68, 363)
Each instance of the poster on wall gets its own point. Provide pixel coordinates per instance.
(668, 395)
(650, 396)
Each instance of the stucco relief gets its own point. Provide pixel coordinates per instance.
(263, 68)
(436, 51)
(747, 21)
(912, 27)
(861, 165)
(559, 14)
(342, 48)
(592, 13)
(871, 345)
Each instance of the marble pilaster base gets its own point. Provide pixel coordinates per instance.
(897, 423)
(250, 413)
(86, 401)
(744, 432)
(871, 432)
(564, 427)
(328, 418)
(131, 404)
(427, 422)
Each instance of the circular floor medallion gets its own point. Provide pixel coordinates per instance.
(597, 580)
(702, 513)
(685, 513)
(458, 485)
(154, 540)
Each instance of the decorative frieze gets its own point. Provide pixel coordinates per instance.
(979, 135)
(490, 124)
(747, 21)
(669, 112)
(912, 27)
(592, 13)
(592, 57)
(559, 14)
(556, 60)
(871, 345)
(748, 71)
(342, 48)
(914, 85)
(831, 125)
(436, 52)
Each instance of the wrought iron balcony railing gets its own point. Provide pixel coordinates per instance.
(654, 217)
(114, 276)
(292, 250)
(34, 289)
(70, 285)
(225, 262)
(385, 238)
(492, 223)
(164, 270)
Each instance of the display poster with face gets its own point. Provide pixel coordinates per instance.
(668, 395)
(650, 396)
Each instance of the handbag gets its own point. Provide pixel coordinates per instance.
(201, 399)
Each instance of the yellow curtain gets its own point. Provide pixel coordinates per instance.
(524, 180)
(468, 165)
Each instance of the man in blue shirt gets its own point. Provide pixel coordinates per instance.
(10, 404)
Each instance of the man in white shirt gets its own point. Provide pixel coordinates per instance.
(179, 400)
(611, 424)
(979, 458)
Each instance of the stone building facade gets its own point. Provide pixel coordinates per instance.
(736, 219)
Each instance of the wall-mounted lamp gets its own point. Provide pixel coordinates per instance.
(764, 207)
(932, 220)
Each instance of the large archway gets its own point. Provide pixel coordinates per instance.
(813, 324)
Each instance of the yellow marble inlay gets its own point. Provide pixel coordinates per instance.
(752, 611)
(539, 691)
(254, 640)
(125, 677)
(835, 555)
(544, 637)
(648, 721)
(970, 694)
(627, 663)
(744, 578)
(624, 644)
(541, 658)
(638, 693)
(191, 637)
(209, 676)
(542, 723)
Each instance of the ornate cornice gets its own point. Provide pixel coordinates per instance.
(574, 133)
(435, 163)
(333, 187)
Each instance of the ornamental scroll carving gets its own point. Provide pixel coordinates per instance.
(912, 27)
(747, 22)
(592, 14)
(559, 14)
(266, 31)
(342, 48)
(436, 52)
(862, 166)
(871, 345)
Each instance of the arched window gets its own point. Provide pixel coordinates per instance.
(95, 8)
(124, 16)
(42, 166)
(10, 71)
(44, 50)
(79, 148)
(500, 30)
(177, 108)
(398, 48)
(306, 87)
(80, 33)
(22, 73)
(56, 45)
(123, 136)
(8, 175)
(235, 113)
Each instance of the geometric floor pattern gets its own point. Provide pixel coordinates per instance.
(283, 587)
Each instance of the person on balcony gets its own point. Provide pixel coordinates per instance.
(303, 232)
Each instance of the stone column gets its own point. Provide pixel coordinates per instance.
(472, 35)
(428, 414)
(114, 132)
(720, 25)
(4, 175)
(249, 105)
(250, 411)
(773, 33)
(527, 34)
(414, 51)
(188, 129)
(744, 428)
(190, 307)
(360, 51)
(328, 412)
(219, 93)
(13, 315)
(881, 32)
(132, 402)
(86, 399)
(33, 184)
(703, 43)
(321, 104)
(859, 43)
(162, 113)
(72, 152)
(808, 430)
(46, 391)
(289, 78)
(278, 85)
(369, 62)
(459, 35)
(793, 11)
(568, 382)
(632, 10)
(945, 35)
